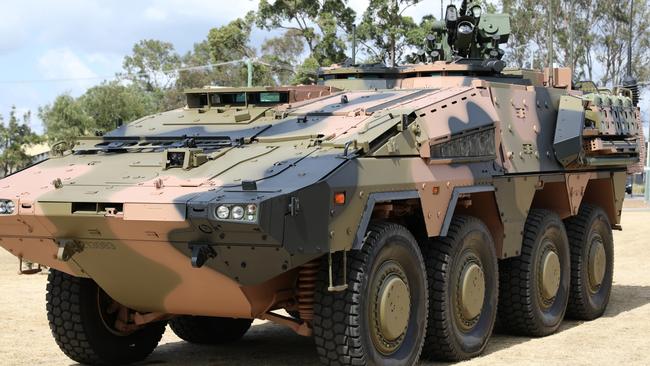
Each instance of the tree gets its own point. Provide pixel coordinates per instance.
(384, 30)
(110, 104)
(415, 37)
(14, 138)
(152, 65)
(283, 54)
(318, 22)
(230, 42)
(307, 72)
(65, 120)
(591, 37)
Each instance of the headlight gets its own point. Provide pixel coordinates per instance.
(223, 212)
(237, 212)
(7, 207)
(10, 207)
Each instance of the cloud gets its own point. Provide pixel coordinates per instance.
(155, 14)
(12, 35)
(64, 64)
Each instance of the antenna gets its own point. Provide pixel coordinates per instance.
(630, 81)
(572, 47)
(354, 44)
(550, 42)
(629, 41)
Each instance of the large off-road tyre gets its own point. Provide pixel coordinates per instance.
(381, 318)
(534, 287)
(462, 272)
(592, 262)
(77, 323)
(209, 330)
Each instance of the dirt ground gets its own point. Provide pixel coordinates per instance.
(620, 337)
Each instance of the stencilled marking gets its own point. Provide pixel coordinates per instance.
(100, 245)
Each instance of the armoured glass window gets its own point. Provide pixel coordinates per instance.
(270, 97)
(228, 99)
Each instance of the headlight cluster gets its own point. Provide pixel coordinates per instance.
(236, 212)
(7, 207)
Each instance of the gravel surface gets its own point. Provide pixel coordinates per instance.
(620, 337)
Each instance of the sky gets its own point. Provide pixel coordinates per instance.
(51, 47)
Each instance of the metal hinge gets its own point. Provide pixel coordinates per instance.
(294, 206)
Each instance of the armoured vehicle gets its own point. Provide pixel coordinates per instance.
(393, 213)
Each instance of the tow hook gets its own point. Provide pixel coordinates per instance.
(67, 249)
(201, 253)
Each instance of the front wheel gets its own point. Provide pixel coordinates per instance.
(83, 320)
(381, 318)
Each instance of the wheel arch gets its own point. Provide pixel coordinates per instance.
(478, 201)
(369, 212)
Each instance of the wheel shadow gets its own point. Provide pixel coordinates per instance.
(270, 344)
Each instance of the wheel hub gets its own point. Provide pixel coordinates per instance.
(597, 262)
(391, 308)
(551, 273)
(472, 291)
(394, 307)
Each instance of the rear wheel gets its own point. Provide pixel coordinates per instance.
(85, 324)
(463, 290)
(534, 287)
(381, 318)
(209, 330)
(592, 262)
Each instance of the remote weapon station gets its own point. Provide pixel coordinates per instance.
(393, 212)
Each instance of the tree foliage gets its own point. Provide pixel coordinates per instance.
(283, 54)
(64, 120)
(15, 136)
(152, 64)
(102, 108)
(589, 36)
(385, 32)
(111, 104)
(318, 22)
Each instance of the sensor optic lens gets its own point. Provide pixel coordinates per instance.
(476, 11)
(3, 207)
(223, 212)
(10, 207)
(452, 13)
(465, 28)
(237, 212)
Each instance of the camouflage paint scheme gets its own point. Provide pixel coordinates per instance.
(418, 142)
